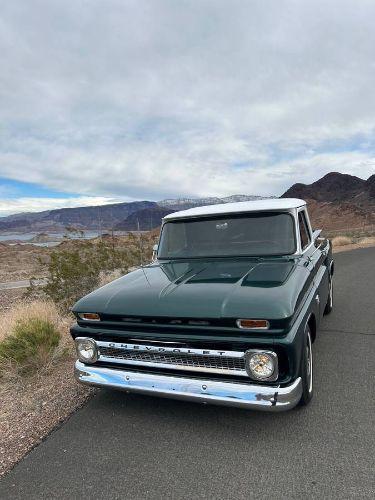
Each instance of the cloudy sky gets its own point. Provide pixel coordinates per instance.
(107, 100)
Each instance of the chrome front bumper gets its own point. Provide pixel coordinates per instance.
(251, 396)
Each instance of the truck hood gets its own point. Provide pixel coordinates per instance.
(243, 288)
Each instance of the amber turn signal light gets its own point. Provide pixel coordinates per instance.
(89, 316)
(253, 324)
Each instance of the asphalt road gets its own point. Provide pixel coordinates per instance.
(11, 285)
(132, 447)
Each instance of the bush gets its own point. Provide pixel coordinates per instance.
(30, 344)
(78, 267)
(339, 241)
(370, 240)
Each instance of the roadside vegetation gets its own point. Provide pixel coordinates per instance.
(353, 241)
(77, 268)
(30, 338)
(37, 387)
(340, 241)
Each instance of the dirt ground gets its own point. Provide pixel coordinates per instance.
(20, 262)
(32, 407)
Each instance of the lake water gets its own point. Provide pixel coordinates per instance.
(55, 238)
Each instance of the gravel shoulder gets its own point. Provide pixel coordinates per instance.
(352, 246)
(31, 408)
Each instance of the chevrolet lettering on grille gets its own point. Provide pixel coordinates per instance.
(179, 350)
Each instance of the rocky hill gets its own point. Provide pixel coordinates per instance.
(143, 220)
(338, 201)
(335, 187)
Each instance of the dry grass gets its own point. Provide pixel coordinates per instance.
(106, 277)
(340, 241)
(40, 309)
(25, 313)
(367, 241)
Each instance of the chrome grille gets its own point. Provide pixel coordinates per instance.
(224, 362)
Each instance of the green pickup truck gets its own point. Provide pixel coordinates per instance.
(226, 313)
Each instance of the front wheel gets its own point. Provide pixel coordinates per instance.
(307, 369)
(329, 306)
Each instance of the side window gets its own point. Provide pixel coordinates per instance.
(303, 230)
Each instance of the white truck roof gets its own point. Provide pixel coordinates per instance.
(275, 204)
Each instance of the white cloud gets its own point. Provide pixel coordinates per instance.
(161, 99)
(28, 204)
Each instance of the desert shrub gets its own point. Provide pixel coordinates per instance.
(27, 311)
(339, 241)
(81, 266)
(30, 344)
(370, 240)
(108, 276)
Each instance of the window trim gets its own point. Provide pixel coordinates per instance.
(232, 215)
(307, 220)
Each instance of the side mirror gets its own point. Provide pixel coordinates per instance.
(316, 234)
(154, 252)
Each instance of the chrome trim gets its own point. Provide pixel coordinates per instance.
(87, 319)
(302, 251)
(254, 328)
(174, 366)
(93, 343)
(316, 234)
(176, 350)
(250, 396)
(184, 363)
(309, 354)
(272, 354)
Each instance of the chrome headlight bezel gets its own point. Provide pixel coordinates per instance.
(90, 343)
(272, 357)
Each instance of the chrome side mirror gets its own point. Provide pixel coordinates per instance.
(316, 234)
(154, 252)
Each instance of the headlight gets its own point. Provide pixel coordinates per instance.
(261, 365)
(87, 351)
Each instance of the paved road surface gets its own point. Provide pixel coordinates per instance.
(134, 447)
(11, 285)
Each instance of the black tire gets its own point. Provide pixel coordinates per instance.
(306, 373)
(329, 306)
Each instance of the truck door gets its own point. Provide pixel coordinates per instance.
(315, 260)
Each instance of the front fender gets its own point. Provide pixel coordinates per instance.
(292, 342)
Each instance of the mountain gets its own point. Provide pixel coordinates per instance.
(85, 218)
(338, 201)
(124, 216)
(143, 220)
(371, 186)
(150, 218)
(185, 203)
(335, 187)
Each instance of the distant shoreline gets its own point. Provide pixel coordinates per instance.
(51, 238)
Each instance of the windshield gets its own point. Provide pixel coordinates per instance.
(256, 234)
